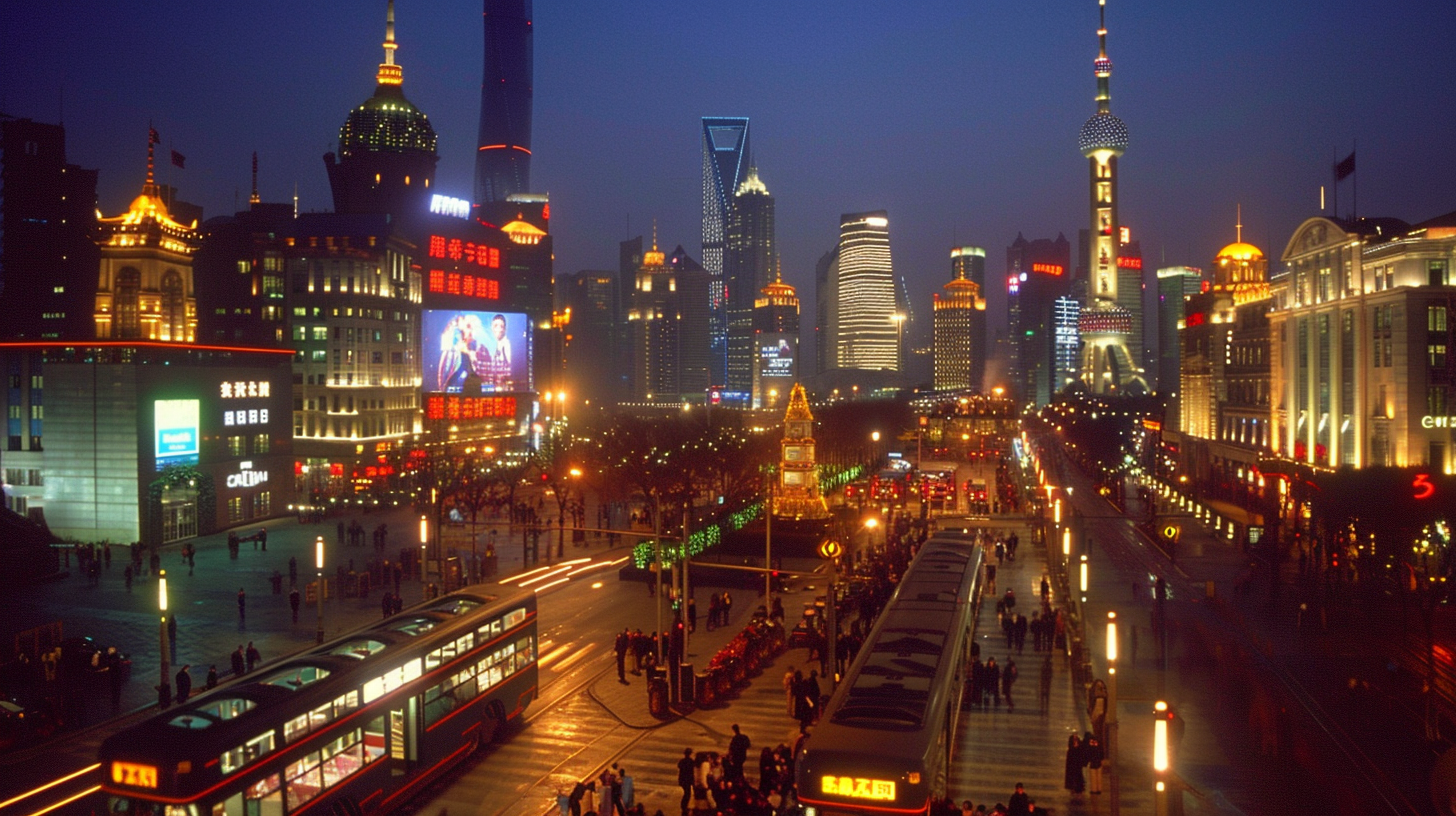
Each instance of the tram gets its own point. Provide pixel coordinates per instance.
(884, 742)
(354, 725)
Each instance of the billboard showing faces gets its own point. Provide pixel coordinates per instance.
(475, 353)
(176, 427)
(776, 356)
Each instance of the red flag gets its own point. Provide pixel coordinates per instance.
(152, 137)
(1345, 167)
(179, 159)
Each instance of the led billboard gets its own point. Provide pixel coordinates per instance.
(176, 425)
(776, 356)
(475, 353)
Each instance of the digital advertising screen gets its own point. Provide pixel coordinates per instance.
(177, 432)
(473, 353)
(776, 356)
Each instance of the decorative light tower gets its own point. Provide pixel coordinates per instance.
(1107, 364)
(797, 493)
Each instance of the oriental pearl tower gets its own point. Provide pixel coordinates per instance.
(1107, 363)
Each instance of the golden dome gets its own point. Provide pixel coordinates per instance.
(1240, 251)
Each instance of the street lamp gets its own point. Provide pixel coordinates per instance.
(1067, 542)
(1161, 762)
(1084, 577)
(1113, 785)
(318, 562)
(164, 691)
(424, 539)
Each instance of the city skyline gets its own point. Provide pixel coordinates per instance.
(1287, 91)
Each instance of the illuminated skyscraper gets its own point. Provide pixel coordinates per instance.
(386, 160)
(725, 166)
(1037, 279)
(1105, 324)
(868, 336)
(503, 157)
(959, 324)
(748, 267)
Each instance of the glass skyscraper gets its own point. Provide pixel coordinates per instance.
(725, 165)
(503, 157)
(868, 337)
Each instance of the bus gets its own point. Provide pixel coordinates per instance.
(354, 725)
(884, 742)
(890, 486)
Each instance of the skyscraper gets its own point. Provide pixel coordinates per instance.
(1106, 326)
(1036, 277)
(826, 310)
(386, 161)
(960, 325)
(868, 337)
(1175, 285)
(503, 157)
(970, 263)
(748, 267)
(668, 328)
(775, 344)
(725, 165)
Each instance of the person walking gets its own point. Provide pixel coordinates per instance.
(1008, 677)
(1020, 803)
(211, 677)
(254, 658)
(624, 642)
(1092, 752)
(993, 680)
(685, 767)
(183, 681)
(790, 686)
(1072, 770)
(237, 659)
(242, 605)
(737, 753)
(293, 601)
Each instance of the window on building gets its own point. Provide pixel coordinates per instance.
(1436, 272)
(300, 332)
(235, 446)
(235, 510)
(1436, 400)
(262, 504)
(1436, 318)
(1436, 352)
(261, 443)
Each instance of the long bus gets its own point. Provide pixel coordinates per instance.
(351, 726)
(884, 742)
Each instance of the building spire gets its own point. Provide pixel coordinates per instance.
(253, 199)
(654, 235)
(389, 73)
(1239, 225)
(152, 139)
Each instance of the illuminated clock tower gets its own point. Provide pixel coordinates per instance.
(798, 489)
(1107, 364)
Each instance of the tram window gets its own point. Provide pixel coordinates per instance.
(346, 703)
(261, 797)
(295, 728)
(455, 606)
(374, 739)
(490, 630)
(360, 648)
(221, 710)
(294, 678)
(415, 627)
(305, 780)
(232, 761)
(393, 679)
(515, 617)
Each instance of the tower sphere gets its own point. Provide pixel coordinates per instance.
(1103, 132)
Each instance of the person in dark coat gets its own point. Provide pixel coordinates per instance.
(1072, 777)
(1020, 803)
(1092, 752)
(184, 684)
(238, 667)
(253, 657)
(211, 677)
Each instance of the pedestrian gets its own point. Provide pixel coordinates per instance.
(790, 681)
(263, 538)
(237, 658)
(713, 611)
(184, 684)
(293, 601)
(386, 604)
(725, 608)
(629, 793)
(1092, 752)
(1019, 804)
(212, 677)
(1008, 677)
(993, 680)
(624, 642)
(1021, 627)
(253, 657)
(737, 753)
(1072, 775)
(242, 604)
(685, 767)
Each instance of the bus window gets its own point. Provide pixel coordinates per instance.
(374, 739)
(515, 617)
(304, 780)
(262, 798)
(393, 679)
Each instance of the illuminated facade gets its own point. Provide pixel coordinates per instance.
(959, 325)
(867, 334)
(503, 155)
(1175, 285)
(668, 328)
(1037, 276)
(798, 495)
(386, 159)
(1361, 344)
(775, 343)
(1106, 324)
(144, 289)
(726, 158)
(748, 266)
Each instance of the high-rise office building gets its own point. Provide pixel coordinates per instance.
(748, 267)
(386, 160)
(47, 214)
(726, 158)
(503, 155)
(668, 328)
(959, 325)
(775, 344)
(1175, 285)
(826, 310)
(868, 336)
(589, 298)
(1037, 273)
(970, 263)
(1106, 325)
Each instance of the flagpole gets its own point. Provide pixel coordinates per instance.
(1335, 186)
(1355, 183)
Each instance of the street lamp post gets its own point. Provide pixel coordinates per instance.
(768, 509)
(1114, 787)
(424, 540)
(164, 690)
(318, 562)
(1161, 762)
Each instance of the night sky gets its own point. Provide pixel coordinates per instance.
(959, 118)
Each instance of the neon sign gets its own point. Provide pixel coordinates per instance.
(134, 775)
(454, 249)
(246, 476)
(456, 283)
(245, 389)
(1430, 422)
(445, 205)
(1129, 263)
(1050, 269)
(252, 416)
(882, 790)
(452, 407)
(1423, 487)
(1195, 319)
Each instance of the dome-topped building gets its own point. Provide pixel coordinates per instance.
(1241, 269)
(386, 159)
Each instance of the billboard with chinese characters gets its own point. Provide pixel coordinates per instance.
(176, 429)
(473, 353)
(776, 368)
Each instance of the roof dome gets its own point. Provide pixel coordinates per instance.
(386, 123)
(1240, 251)
(1102, 132)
